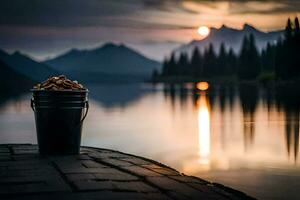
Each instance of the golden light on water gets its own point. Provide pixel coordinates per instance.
(203, 31)
(202, 86)
(203, 132)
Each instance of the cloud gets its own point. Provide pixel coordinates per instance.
(243, 6)
(130, 13)
(240, 6)
(49, 26)
(64, 12)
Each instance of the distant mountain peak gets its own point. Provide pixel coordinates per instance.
(123, 46)
(248, 27)
(22, 56)
(231, 37)
(26, 66)
(117, 48)
(224, 27)
(109, 60)
(74, 51)
(18, 53)
(2, 52)
(109, 45)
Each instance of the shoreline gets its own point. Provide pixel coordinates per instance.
(221, 80)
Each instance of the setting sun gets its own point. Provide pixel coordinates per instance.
(203, 31)
(202, 86)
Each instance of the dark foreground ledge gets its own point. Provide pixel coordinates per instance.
(97, 174)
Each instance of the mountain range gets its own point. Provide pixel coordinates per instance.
(12, 82)
(116, 63)
(27, 67)
(109, 62)
(232, 38)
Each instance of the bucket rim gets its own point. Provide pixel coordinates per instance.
(60, 91)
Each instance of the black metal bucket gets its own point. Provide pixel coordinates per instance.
(59, 116)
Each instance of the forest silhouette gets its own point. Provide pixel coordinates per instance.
(277, 61)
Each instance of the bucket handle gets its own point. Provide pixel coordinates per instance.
(32, 104)
(86, 106)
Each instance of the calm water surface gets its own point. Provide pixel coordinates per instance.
(245, 137)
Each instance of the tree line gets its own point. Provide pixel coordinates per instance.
(280, 60)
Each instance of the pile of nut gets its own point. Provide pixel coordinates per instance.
(58, 83)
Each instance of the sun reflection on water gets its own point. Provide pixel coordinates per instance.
(203, 132)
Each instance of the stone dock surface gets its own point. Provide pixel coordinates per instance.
(97, 174)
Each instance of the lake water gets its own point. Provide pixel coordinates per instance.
(246, 137)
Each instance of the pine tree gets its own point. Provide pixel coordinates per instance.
(173, 65)
(287, 55)
(282, 58)
(182, 64)
(297, 27)
(296, 48)
(209, 63)
(196, 64)
(249, 62)
(222, 65)
(254, 57)
(280, 53)
(165, 67)
(242, 62)
(154, 75)
(287, 66)
(231, 63)
(288, 30)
